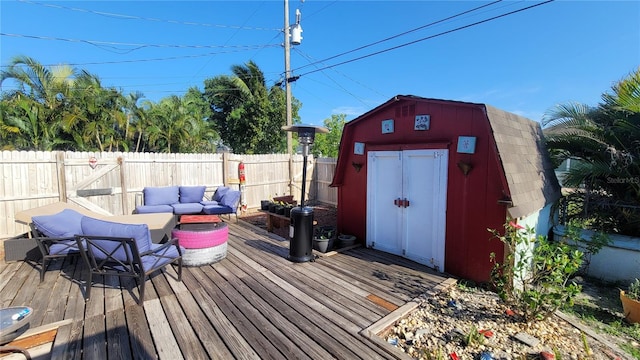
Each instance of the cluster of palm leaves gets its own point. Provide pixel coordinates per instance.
(604, 142)
(63, 108)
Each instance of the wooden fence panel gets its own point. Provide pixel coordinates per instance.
(30, 179)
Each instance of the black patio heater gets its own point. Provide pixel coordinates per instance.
(301, 228)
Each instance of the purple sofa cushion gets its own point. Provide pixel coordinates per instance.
(152, 209)
(231, 199)
(63, 224)
(220, 191)
(191, 194)
(166, 195)
(190, 208)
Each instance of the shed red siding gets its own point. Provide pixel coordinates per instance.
(472, 199)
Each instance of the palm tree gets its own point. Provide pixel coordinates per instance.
(171, 124)
(606, 142)
(42, 96)
(96, 120)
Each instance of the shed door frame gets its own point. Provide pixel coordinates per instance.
(416, 231)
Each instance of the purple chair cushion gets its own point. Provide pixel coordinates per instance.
(220, 191)
(208, 202)
(159, 258)
(166, 195)
(63, 247)
(191, 194)
(63, 224)
(96, 227)
(191, 208)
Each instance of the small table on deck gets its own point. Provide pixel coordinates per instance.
(204, 238)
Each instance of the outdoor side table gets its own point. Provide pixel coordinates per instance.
(203, 243)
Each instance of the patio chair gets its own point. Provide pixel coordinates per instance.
(54, 235)
(124, 250)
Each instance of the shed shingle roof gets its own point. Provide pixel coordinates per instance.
(529, 172)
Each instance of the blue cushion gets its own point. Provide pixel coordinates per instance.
(191, 208)
(159, 258)
(231, 199)
(63, 224)
(208, 202)
(64, 247)
(96, 227)
(191, 194)
(152, 209)
(217, 210)
(166, 195)
(220, 191)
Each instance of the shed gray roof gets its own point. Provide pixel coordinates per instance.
(528, 169)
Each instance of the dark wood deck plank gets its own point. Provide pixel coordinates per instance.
(243, 302)
(289, 273)
(59, 297)
(139, 333)
(196, 278)
(290, 327)
(184, 333)
(163, 337)
(94, 339)
(196, 315)
(225, 329)
(118, 346)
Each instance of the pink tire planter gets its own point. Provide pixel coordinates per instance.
(203, 247)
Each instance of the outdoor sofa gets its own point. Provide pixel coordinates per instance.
(183, 200)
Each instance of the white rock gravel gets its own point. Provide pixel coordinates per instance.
(439, 324)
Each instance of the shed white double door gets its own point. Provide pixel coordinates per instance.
(406, 204)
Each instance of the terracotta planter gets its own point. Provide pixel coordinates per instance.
(630, 308)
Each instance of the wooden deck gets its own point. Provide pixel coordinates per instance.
(255, 304)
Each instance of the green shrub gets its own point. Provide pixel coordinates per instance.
(534, 277)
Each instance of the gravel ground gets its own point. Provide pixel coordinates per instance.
(454, 322)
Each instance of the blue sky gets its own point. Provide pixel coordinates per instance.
(525, 62)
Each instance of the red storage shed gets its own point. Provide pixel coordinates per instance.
(425, 178)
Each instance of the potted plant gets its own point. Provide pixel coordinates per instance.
(323, 237)
(279, 208)
(346, 240)
(264, 204)
(631, 302)
(287, 210)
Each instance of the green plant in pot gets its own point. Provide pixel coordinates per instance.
(323, 237)
(631, 302)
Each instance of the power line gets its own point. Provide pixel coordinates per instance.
(401, 34)
(137, 45)
(133, 17)
(426, 38)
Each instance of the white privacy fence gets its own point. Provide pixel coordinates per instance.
(108, 182)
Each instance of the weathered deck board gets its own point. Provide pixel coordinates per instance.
(255, 304)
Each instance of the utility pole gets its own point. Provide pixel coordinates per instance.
(292, 35)
(287, 75)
